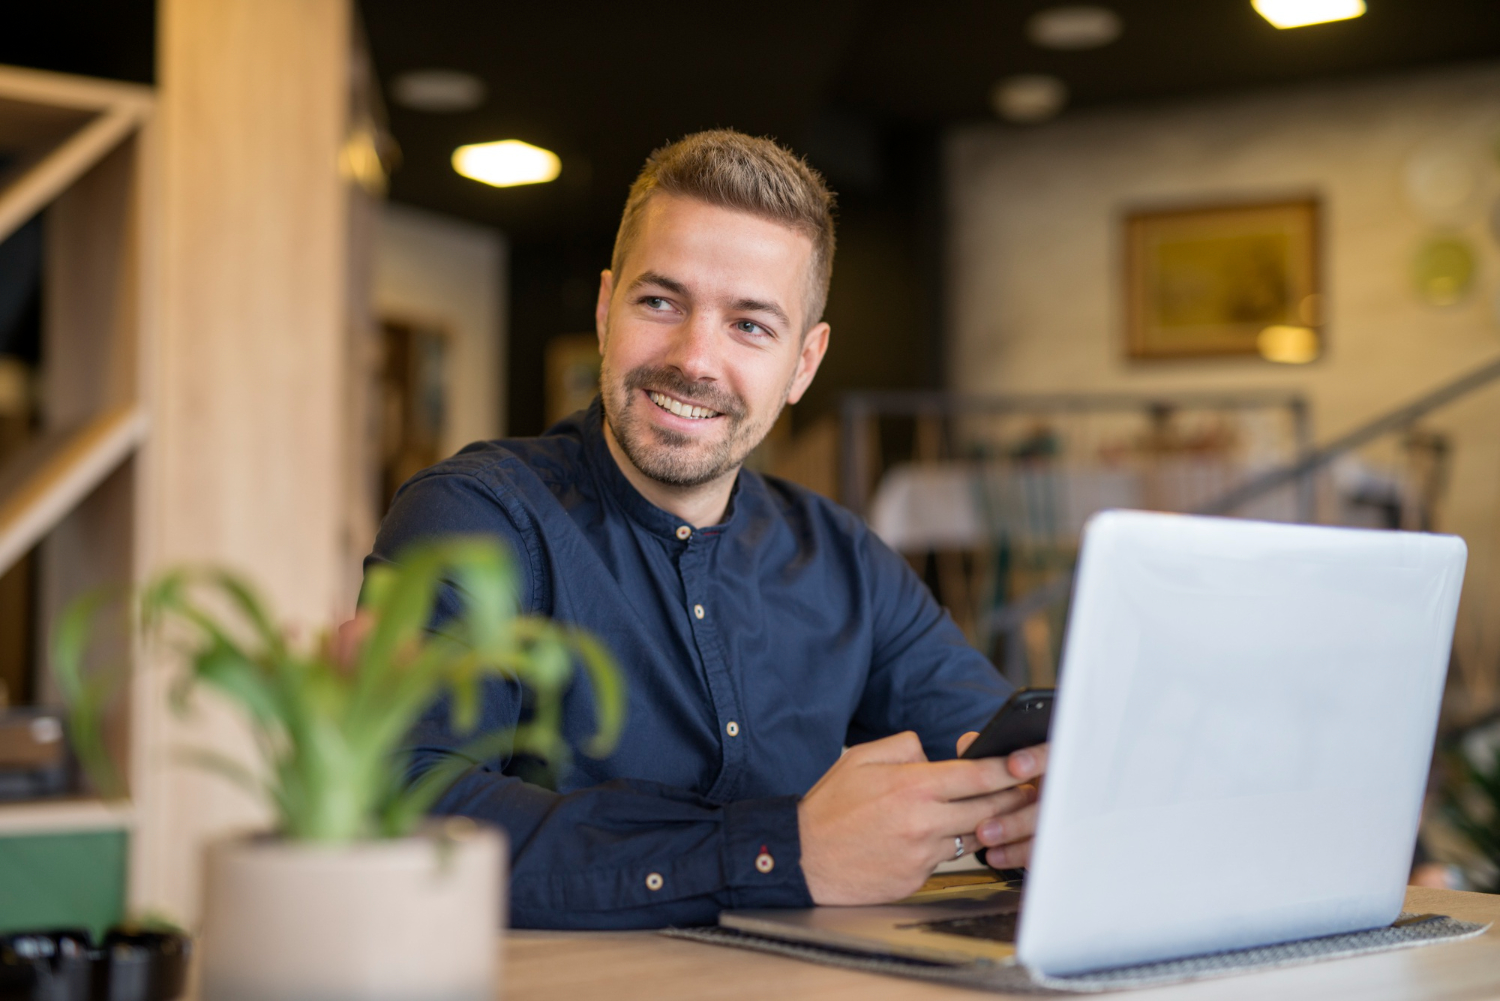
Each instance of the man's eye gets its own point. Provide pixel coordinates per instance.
(654, 302)
(749, 327)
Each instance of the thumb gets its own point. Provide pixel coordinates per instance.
(966, 740)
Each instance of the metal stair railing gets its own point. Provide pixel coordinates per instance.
(1007, 620)
(1397, 420)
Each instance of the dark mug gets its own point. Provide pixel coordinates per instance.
(53, 965)
(141, 966)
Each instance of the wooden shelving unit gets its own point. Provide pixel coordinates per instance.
(64, 816)
(76, 151)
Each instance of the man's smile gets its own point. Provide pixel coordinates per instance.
(685, 410)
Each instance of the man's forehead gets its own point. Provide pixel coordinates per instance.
(710, 250)
(680, 217)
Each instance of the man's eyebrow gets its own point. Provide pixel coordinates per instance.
(760, 306)
(660, 281)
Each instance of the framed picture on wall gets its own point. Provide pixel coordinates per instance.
(572, 372)
(413, 412)
(1226, 279)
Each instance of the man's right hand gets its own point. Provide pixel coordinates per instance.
(883, 816)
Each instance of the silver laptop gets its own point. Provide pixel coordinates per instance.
(1245, 718)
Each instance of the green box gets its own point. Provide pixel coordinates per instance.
(74, 880)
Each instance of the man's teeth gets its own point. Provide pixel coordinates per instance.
(681, 409)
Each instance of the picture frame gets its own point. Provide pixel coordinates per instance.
(411, 419)
(571, 367)
(1223, 279)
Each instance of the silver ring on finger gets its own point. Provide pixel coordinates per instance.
(958, 847)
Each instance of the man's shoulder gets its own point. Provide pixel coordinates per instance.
(807, 509)
(511, 465)
(510, 487)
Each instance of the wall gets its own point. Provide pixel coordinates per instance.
(1035, 299)
(452, 275)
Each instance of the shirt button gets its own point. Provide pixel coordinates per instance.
(764, 862)
(732, 728)
(653, 881)
(684, 532)
(698, 611)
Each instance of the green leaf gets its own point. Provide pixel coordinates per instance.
(609, 693)
(328, 735)
(87, 695)
(225, 767)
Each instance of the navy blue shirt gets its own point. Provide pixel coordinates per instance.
(752, 652)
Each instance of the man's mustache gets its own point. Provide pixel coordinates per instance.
(669, 380)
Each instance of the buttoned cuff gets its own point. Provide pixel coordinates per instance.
(763, 854)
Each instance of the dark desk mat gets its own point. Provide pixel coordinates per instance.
(1411, 930)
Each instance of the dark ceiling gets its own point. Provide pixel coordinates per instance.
(604, 83)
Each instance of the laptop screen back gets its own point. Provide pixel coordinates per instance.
(1244, 724)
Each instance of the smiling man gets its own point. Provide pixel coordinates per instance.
(761, 629)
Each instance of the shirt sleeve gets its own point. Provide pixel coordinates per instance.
(924, 675)
(626, 854)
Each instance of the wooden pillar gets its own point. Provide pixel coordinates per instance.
(247, 452)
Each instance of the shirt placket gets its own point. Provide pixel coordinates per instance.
(703, 618)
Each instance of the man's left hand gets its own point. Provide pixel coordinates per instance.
(1008, 836)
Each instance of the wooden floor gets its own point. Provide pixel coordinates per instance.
(625, 966)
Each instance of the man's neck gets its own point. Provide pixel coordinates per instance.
(698, 506)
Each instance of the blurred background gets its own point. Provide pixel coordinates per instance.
(1226, 257)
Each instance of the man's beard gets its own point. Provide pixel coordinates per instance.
(669, 456)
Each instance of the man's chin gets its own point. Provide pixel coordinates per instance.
(677, 469)
(676, 459)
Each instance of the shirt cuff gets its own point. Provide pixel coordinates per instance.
(763, 854)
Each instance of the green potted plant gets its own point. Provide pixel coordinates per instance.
(353, 893)
(1469, 800)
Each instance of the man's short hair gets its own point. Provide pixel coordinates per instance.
(735, 171)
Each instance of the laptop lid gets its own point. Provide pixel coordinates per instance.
(1244, 724)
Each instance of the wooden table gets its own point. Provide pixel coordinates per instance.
(624, 966)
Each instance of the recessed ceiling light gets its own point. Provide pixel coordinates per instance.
(1083, 26)
(438, 91)
(1297, 13)
(507, 163)
(1029, 98)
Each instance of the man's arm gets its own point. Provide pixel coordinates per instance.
(924, 675)
(620, 855)
(893, 815)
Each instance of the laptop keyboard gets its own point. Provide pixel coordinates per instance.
(992, 927)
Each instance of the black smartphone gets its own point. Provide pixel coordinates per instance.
(1022, 722)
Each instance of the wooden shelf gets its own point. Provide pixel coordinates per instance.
(78, 157)
(61, 816)
(60, 127)
(42, 485)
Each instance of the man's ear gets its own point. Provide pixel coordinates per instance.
(601, 307)
(814, 347)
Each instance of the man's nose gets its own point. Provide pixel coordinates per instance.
(694, 348)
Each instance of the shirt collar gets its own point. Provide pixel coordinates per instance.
(614, 481)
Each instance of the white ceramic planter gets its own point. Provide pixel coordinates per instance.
(414, 919)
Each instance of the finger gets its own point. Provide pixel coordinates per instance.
(1018, 825)
(1012, 856)
(966, 815)
(898, 749)
(1029, 763)
(963, 778)
(944, 851)
(966, 740)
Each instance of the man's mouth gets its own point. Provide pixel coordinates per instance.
(681, 409)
